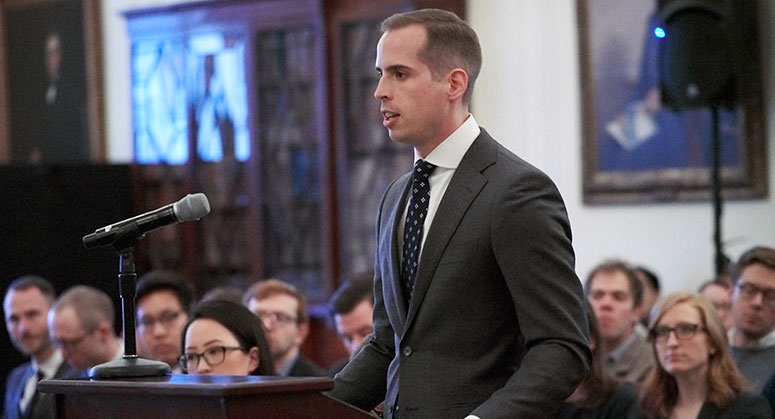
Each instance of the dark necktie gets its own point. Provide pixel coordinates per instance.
(413, 226)
(31, 405)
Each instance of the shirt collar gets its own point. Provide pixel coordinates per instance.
(450, 152)
(615, 355)
(50, 367)
(286, 369)
(766, 341)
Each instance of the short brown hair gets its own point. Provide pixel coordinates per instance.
(759, 254)
(636, 287)
(271, 287)
(451, 43)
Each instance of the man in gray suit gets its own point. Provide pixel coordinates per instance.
(478, 311)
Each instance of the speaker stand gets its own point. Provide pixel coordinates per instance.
(720, 259)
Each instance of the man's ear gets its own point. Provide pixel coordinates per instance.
(637, 312)
(303, 332)
(458, 83)
(105, 330)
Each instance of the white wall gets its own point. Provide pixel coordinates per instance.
(528, 97)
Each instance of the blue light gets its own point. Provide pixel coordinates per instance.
(659, 32)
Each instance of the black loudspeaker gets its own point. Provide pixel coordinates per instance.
(709, 53)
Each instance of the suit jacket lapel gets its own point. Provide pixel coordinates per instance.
(463, 188)
(397, 293)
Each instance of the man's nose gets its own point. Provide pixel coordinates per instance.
(381, 92)
(157, 329)
(757, 299)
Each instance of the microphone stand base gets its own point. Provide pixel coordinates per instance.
(129, 367)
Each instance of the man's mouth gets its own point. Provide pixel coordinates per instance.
(388, 116)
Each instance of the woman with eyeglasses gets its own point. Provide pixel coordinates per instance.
(695, 376)
(225, 338)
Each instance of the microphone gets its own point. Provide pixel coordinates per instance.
(190, 208)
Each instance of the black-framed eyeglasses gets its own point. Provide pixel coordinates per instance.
(166, 318)
(682, 331)
(69, 344)
(277, 317)
(213, 355)
(748, 291)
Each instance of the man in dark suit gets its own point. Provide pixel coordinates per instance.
(25, 305)
(490, 321)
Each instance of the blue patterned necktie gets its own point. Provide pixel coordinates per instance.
(413, 226)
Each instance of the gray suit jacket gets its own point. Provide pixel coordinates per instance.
(496, 325)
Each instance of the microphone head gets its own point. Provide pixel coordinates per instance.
(191, 207)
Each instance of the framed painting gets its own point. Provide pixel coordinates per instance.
(51, 105)
(637, 150)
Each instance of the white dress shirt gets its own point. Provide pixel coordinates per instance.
(446, 156)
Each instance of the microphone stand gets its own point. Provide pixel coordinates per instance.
(130, 365)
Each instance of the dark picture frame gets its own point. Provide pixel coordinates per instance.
(51, 98)
(632, 154)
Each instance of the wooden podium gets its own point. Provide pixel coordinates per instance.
(198, 396)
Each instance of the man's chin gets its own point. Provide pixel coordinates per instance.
(29, 349)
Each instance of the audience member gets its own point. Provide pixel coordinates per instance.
(283, 310)
(600, 396)
(81, 324)
(352, 306)
(753, 311)
(163, 302)
(695, 376)
(616, 294)
(25, 305)
(224, 293)
(651, 289)
(717, 292)
(224, 337)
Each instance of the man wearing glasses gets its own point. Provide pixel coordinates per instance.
(25, 305)
(81, 325)
(283, 311)
(752, 336)
(163, 305)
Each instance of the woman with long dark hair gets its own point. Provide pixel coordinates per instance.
(223, 337)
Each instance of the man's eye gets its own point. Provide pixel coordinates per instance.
(620, 296)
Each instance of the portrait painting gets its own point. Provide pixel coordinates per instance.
(50, 91)
(637, 148)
